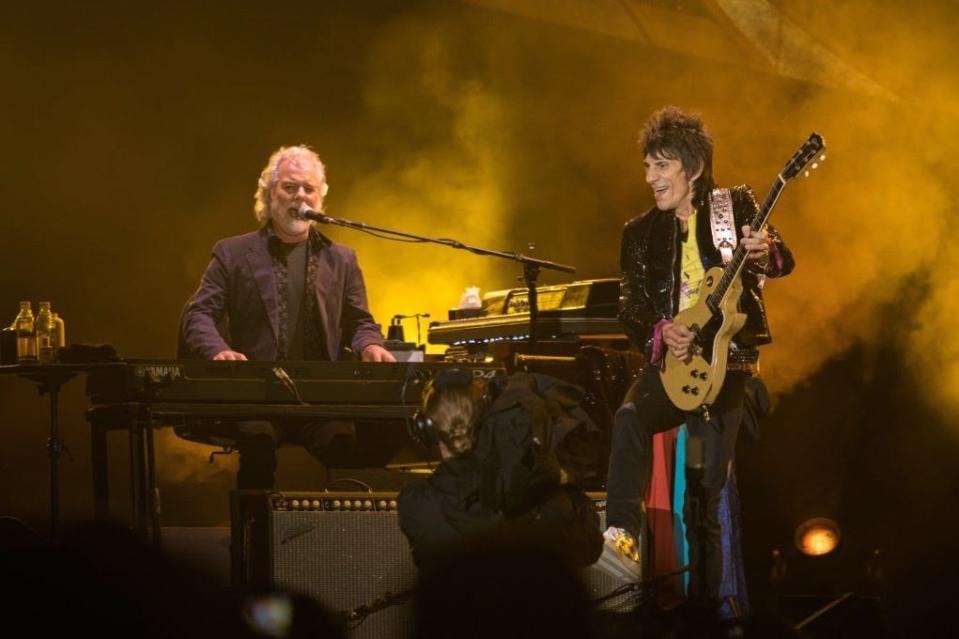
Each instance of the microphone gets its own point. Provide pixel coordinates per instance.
(403, 317)
(306, 213)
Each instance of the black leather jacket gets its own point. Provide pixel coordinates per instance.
(650, 265)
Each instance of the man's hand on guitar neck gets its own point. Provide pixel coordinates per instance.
(678, 339)
(756, 243)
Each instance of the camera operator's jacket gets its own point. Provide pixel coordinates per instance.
(510, 485)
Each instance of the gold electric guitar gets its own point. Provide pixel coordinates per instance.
(694, 383)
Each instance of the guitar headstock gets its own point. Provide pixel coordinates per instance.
(810, 152)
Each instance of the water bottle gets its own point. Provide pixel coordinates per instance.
(46, 331)
(61, 340)
(26, 341)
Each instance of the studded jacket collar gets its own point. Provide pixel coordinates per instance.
(649, 261)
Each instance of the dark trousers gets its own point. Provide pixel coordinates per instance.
(331, 442)
(647, 410)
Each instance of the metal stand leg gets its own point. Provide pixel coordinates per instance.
(54, 448)
(50, 382)
(101, 483)
(152, 493)
(144, 495)
(136, 476)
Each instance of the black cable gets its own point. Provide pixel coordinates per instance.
(356, 616)
(641, 587)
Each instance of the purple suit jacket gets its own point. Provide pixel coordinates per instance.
(239, 286)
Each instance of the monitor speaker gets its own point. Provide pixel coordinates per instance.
(343, 549)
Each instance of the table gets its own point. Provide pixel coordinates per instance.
(49, 378)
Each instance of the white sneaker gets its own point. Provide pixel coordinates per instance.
(620, 557)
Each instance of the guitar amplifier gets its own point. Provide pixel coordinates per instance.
(343, 549)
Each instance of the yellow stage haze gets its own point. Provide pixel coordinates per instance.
(448, 185)
(875, 232)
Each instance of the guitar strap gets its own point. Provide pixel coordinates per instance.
(723, 223)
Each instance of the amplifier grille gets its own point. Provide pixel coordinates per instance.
(344, 556)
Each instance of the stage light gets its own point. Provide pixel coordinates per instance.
(817, 536)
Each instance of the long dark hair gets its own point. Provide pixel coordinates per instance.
(455, 409)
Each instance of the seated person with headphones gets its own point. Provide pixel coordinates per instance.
(512, 455)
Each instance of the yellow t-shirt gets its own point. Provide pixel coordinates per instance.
(691, 270)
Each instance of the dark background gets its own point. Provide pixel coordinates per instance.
(133, 137)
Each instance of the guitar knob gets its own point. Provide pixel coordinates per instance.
(694, 372)
(702, 376)
(695, 391)
(686, 389)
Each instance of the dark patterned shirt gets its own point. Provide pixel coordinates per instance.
(300, 334)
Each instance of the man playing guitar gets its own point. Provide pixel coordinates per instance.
(666, 253)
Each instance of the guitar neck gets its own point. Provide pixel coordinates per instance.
(735, 265)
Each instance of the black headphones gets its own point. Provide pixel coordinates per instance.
(421, 428)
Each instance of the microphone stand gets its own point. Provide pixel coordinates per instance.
(696, 493)
(531, 265)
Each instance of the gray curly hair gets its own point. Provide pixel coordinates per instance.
(301, 154)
